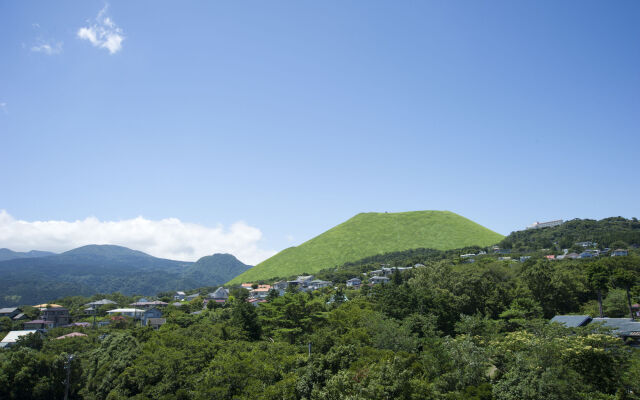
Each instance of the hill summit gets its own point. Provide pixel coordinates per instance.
(368, 234)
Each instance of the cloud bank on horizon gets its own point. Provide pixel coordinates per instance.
(165, 238)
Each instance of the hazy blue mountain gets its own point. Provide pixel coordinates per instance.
(6, 254)
(104, 269)
(215, 268)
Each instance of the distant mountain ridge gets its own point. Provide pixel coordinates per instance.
(92, 269)
(368, 234)
(6, 254)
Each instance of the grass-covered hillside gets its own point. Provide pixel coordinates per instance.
(369, 234)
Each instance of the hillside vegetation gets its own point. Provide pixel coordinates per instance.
(607, 232)
(368, 234)
(95, 269)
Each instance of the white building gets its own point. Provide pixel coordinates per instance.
(129, 312)
(548, 224)
(13, 336)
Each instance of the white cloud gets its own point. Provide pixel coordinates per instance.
(166, 238)
(103, 33)
(48, 48)
(3, 106)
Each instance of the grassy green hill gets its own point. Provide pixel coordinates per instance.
(368, 234)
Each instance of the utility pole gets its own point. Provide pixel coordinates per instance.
(309, 349)
(66, 381)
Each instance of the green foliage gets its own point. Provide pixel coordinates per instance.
(369, 234)
(445, 331)
(613, 232)
(105, 269)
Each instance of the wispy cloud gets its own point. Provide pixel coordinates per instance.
(45, 46)
(167, 238)
(103, 33)
(48, 48)
(3, 107)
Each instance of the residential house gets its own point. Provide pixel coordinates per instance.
(550, 257)
(301, 282)
(150, 313)
(248, 286)
(572, 321)
(256, 302)
(467, 255)
(156, 323)
(10, 312)
(39, 324)
(354, 283)
(624, 328)
(129, 312)
(45, 305)
(585, 254)
(192, 296)
(99, 303)
(58, 315)
(548, 224)
(378, 279)
(19, 317)
(94, 305)
(572, 256)
(149, 304)
(281, 286)
(221, 295)
(524, 258)
(179, 295)
(261, 292)
(13, 336)
(587, 244)
(619, 253)
(319, 284)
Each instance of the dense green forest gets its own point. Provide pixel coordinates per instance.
(447, 330)
(103, 269)
(609, 232)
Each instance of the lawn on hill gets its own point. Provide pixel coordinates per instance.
(368, 234)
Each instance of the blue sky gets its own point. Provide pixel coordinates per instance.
(293, 116)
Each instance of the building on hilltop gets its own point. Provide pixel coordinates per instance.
(378, 279)
(221, 295)
(619, 253)
(354, 283)
(58, 315)
(548, 224)
(129, 312)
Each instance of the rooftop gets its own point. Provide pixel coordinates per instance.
(14, 335)
(572, 321)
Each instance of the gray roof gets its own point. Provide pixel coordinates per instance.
(8, 310)
(220, 293)
(621, 326)
(572, 321)
(100, 302)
